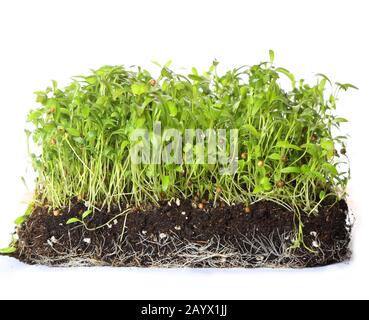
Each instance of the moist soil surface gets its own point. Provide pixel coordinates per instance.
(177, 234)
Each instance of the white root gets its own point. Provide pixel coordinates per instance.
(170, 251)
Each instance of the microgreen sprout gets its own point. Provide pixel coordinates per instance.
(83, 131)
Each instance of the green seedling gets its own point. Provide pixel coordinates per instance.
(82, 137)
(82, 220)
(8, 250)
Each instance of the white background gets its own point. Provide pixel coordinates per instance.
(44, 40)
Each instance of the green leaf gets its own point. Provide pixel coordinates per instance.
(35, 115)
(267, 187)
(327, 145)
(91, 135)
(195, 77)
(139, 88)
(156, 63)
(255, 107)
(86, 214)
(256, 152)
(29, 210)
(291, 170)
(147, 101)
(265, 184)
(168, 63)
(73, 220)
(73, 132)
(340, 120)
(64, 111)
(287, 145)
(8, 250)
(258, 189)
(119, 132)
(85, 111)
(275, 156)
(252, 130)
(172, 108)
(312, 149)
(20, 220)
(165, 183)
(271, 56)
(166, 73)
(324, 77)
(79, 140)
(322, 84)
(322, 195)
(346, 86)
(236, 106)
(140, 122)
(316, 175)
(330, 168)
(264, 180)
(55, 85)
(91, 80)
(41, 97)
(305, 169)
(288, 74)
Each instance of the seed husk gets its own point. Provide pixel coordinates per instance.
(281, 184)
(247, 209)
(314, 138)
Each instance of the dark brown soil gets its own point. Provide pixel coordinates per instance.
(181, 234)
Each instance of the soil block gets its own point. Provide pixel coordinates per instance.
(179, 234)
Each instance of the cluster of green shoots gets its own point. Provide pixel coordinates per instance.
(287, 150)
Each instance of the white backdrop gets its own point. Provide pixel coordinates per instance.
(42, 40)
